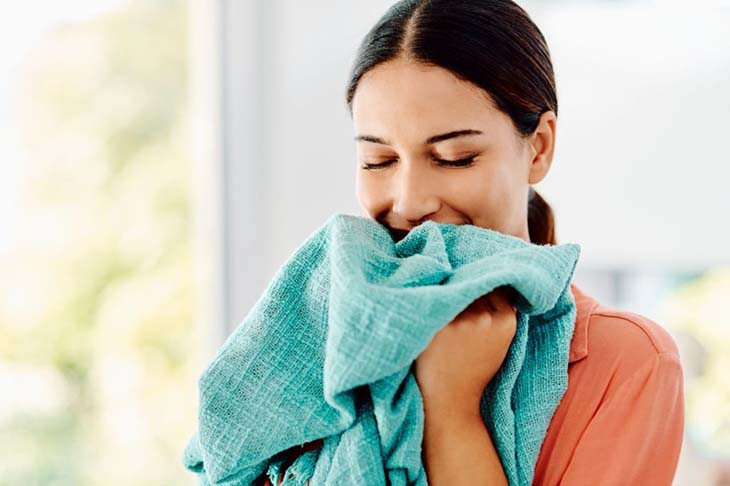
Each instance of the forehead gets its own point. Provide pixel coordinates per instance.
(413, 98)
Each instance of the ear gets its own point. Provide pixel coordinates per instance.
(542, 146)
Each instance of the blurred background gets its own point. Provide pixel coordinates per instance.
(162, 158)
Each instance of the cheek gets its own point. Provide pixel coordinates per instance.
(484, 196)
(369, 193)
(473, 189)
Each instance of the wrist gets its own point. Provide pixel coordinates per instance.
(452, 411)
(451, 416)
(457, 448)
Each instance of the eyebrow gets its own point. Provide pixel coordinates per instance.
(429, 141)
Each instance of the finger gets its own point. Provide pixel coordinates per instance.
(502, 298)
(479, 305)
(487, 303)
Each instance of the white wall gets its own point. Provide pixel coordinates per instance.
(642, 165)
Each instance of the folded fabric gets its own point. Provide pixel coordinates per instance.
(327, 351)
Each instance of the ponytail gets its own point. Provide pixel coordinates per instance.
(540, 220)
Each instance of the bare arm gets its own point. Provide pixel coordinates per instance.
(452, 373)
(457, 449)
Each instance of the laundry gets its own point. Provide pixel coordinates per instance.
(327, 349)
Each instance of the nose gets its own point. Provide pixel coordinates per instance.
(415, 196)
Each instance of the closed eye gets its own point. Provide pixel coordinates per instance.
(465, 162)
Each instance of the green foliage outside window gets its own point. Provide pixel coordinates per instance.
(99, 348)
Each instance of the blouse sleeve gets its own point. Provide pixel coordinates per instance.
(636, 434)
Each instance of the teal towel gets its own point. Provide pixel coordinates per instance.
(326, 352)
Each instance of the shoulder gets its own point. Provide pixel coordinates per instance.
(626, 331)
(622, 343)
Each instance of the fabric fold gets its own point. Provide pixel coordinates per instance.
(326, 352)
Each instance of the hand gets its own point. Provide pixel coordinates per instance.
(461, 359)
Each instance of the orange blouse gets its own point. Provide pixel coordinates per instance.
(621, 420)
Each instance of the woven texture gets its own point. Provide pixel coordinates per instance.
(327, 350)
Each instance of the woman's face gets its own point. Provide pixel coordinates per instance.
(409, 118)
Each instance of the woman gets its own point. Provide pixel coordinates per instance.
(455, 111)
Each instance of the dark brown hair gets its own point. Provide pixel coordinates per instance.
(492, 44)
